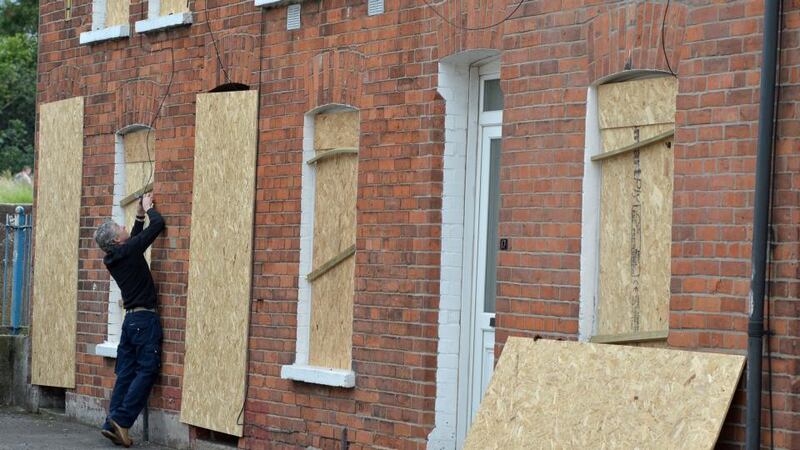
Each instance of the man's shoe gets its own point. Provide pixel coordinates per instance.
(121, 434)
(111, 436)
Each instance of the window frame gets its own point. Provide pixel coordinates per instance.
(301, 370)
(99, 31)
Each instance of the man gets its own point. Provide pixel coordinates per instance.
(139, 349)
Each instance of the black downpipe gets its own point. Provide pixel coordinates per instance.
(761, 211)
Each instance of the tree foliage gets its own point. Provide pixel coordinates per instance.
(18, 49)
(19, 17)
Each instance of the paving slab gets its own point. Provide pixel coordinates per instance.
(21, 430)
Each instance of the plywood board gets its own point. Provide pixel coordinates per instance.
(220, 261)
(639, 102)
(117, 12)
(139, 145)
(331, 334)
(635, 241)
(334, 232)
(173, 6)
(336, 129)
(57, 232)
(136, 175)
(558, 394)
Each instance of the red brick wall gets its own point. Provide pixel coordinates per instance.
(386, 66)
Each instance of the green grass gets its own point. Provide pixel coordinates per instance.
(16, 193)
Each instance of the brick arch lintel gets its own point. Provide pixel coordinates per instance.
(136, 103)
(334, 77)
(62, 82)
(238, 54)
(636, 46)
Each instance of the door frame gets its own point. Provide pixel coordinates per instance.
(471, 267)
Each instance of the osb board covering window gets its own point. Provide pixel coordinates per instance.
(139, 147)
(173, 6)
(650, 397)
(331, 334)
(647, 104)
(220, 261)
(636, 207)
(635, 241)
(117, 12)
(57, 232)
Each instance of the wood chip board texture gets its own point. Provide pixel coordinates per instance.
(635, 241)
(220, 261)
(559, 394)
(173, 6)
(331, 333)
(117, 12)
(139, 148)
(57, 233)
(647, 104)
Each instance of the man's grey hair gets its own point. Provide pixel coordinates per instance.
(105, 235)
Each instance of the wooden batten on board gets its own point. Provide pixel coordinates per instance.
(220, 261)
(56, 239)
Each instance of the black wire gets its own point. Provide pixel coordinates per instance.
(155, 116)
(474, 28)
(663, 46)
(216, 49)
(240, 418)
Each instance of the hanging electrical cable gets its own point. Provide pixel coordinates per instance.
(663, 35)
(506, 18)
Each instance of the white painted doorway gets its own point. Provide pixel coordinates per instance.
(481, 215)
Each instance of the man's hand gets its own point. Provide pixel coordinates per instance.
(140, 210)
(147, 201)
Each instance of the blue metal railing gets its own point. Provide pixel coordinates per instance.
(15, 310)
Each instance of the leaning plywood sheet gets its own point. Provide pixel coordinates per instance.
(220, 261)
(635, 241)
(556, 394)
(334, 232)
(57, 232)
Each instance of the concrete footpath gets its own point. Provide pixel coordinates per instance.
(21, 430)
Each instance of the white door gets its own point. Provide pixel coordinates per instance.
(485, 285)
(485, 239)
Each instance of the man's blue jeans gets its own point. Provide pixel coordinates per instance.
(138, 364)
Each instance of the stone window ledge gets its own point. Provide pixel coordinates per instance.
(270, 3)
(105, 34)
(319, 375)
(107, 349)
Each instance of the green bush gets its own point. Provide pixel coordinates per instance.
(13, 192)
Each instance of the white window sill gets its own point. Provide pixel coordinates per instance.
(270, 3)
(107, 349)
(105, 34)
(164, 22)
(319, 375)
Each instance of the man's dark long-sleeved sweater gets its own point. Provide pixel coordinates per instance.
(129, 268)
